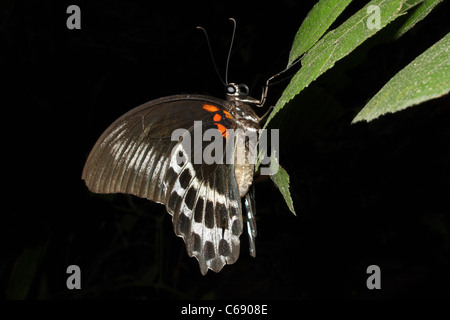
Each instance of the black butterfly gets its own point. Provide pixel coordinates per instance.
(136, 155)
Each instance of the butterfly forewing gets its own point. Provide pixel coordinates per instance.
(131, 156)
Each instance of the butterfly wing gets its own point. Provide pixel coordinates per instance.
(131, 156)
(205, 204)
(250, 209)
(136, 155)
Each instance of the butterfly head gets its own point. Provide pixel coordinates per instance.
(236, 91)
(241, 109)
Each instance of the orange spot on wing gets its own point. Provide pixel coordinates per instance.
(210, 108)
(217, 117)
(222, 130)
(227, 114)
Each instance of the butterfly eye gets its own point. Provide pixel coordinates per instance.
(230, 89)
(243, 90)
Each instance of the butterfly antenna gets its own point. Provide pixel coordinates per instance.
(212, 56)
(231, 46)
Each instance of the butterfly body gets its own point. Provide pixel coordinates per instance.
(138, 155)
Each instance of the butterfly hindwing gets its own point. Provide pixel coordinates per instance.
(250, 209)
(206, 207)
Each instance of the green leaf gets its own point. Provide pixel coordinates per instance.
(417, 14)
(318, 20)
(281, 180)
(427, 77)
(338, 43)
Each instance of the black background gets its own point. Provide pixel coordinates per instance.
(366, 194)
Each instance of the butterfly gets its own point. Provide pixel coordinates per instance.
(137, 155)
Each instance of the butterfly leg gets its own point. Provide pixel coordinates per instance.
(260, 103)
(265, 114)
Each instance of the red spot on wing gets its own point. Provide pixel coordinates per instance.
(227, 114)
(222, 130)
(217, 117)
(210, 108)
